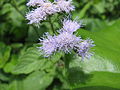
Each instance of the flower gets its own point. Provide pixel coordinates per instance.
(46, 8)
(66, 41)
(41, 13)
(48, 45)
(65, 5)
(35, 3)
(36, 16)
(49, 8)
(71, 26)
(83, 48)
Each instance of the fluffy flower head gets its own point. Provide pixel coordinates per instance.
(35, 3)
(66, 41)
(65, 5)
(36, 16)
(49, 8)
(71, 26)
(84, 47)
(48, 45)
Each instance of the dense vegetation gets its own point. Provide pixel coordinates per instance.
(22, 67)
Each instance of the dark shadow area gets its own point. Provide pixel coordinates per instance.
(77, 76)
(55, 84)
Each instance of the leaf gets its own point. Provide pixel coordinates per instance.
(11, 65)
(28, 62)
(103, 69)
(4, 54)
(4, 77)
(38, 80)
(82, 12)
(31, 61)
(3, 86)
(16, 85)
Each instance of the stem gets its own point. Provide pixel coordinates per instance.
(37, 33)
(52, 27)
(67, 62)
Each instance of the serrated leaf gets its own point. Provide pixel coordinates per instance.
(31, 61)
(28, 62)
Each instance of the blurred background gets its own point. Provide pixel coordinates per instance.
(102, 24)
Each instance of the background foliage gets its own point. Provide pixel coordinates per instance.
(22, 67)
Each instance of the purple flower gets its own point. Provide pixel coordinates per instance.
(46, 8)
(71, 26)
(65, 5)
(36, 16)
(66, 41)
(35, 2)
(48, 45)
(83, 48)
(41, 13)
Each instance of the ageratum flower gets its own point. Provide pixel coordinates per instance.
(66, 42)
(83, 48)
(71, 26)
(46, 8)
(35, 3)
(49, 45)
(49, 8)
(65, 6)
(41, 13)
(36, 16)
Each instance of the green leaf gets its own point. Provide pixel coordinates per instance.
(38, 80)
(103, 69)
(31, 61)
(16, 85)
(28, 62)
(11, 65)
(3, 86)
(4, 54)
(82, 12)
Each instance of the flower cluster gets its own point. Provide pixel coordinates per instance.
(66, 41)
(46, 8)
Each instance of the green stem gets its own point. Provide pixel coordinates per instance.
(67, 62)
(37, 33)
(52, 27)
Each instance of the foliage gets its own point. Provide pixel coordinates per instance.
(23, 68)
